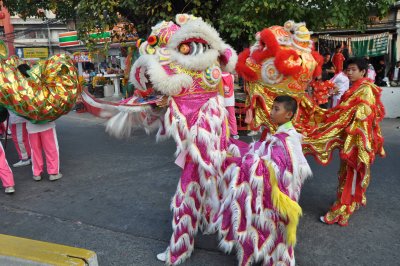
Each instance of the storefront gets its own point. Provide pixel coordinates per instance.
(366, 45)
(109, 64)
(122, 35)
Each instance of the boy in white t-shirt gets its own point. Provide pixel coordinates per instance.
(43, 137)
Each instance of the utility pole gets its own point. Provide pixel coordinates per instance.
(49, 37)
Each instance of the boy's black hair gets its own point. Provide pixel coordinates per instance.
(289, 103)
(361, 63)
(24, 68)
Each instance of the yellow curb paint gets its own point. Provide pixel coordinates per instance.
(43, 252)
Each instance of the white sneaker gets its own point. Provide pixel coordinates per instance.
(22, 163)
(55, 177)
(235, 136)
(162, 256)
(37, 177)
(9, 190)
(322, 219)
(252, 133)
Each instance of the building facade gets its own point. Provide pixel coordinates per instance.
(379, 40)
(36, 38)
(33, 38)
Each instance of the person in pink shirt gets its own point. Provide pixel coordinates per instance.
(229, 99)
(20, 138)
(6, 175)
(43, 137)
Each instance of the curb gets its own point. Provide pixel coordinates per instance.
(22, 251)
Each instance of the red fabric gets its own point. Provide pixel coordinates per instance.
(242, 69)
(321, 90)
(240, 111)
(320, 62)
(144, 94)
(282, 59)
(267, 40)
(337, 61)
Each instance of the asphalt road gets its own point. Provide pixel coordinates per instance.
(114, 199)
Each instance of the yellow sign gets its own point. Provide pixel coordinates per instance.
(37, 52)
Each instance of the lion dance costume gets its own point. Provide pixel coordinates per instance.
(282, 61)
(184, 61)
(44, 92)
(259, 212)
(250, 198)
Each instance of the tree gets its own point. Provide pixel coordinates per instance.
(237, 21)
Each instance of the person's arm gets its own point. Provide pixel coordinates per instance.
(342, 86)
(331, 69)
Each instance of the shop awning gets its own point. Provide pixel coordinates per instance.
(360, 45)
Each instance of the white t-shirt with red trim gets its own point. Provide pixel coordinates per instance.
(36, 128)
(229, 94)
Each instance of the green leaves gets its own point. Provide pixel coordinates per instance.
(236, 21)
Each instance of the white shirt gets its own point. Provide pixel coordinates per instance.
(36, 128)
(396, 73)
(371, 74)
(343, 83)
(15, 119)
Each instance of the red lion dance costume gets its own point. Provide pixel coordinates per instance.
(282, 61)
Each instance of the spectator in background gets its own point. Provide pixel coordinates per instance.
(371, 74)
(92, 74)
(86, 76)
(338, 59)
(345, 52)
(394, 75)
(380, 73)
(327, 68)
(229, 99)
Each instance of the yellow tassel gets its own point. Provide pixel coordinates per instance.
(287, 208)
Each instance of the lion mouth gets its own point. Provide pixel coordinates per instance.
(193, 46)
